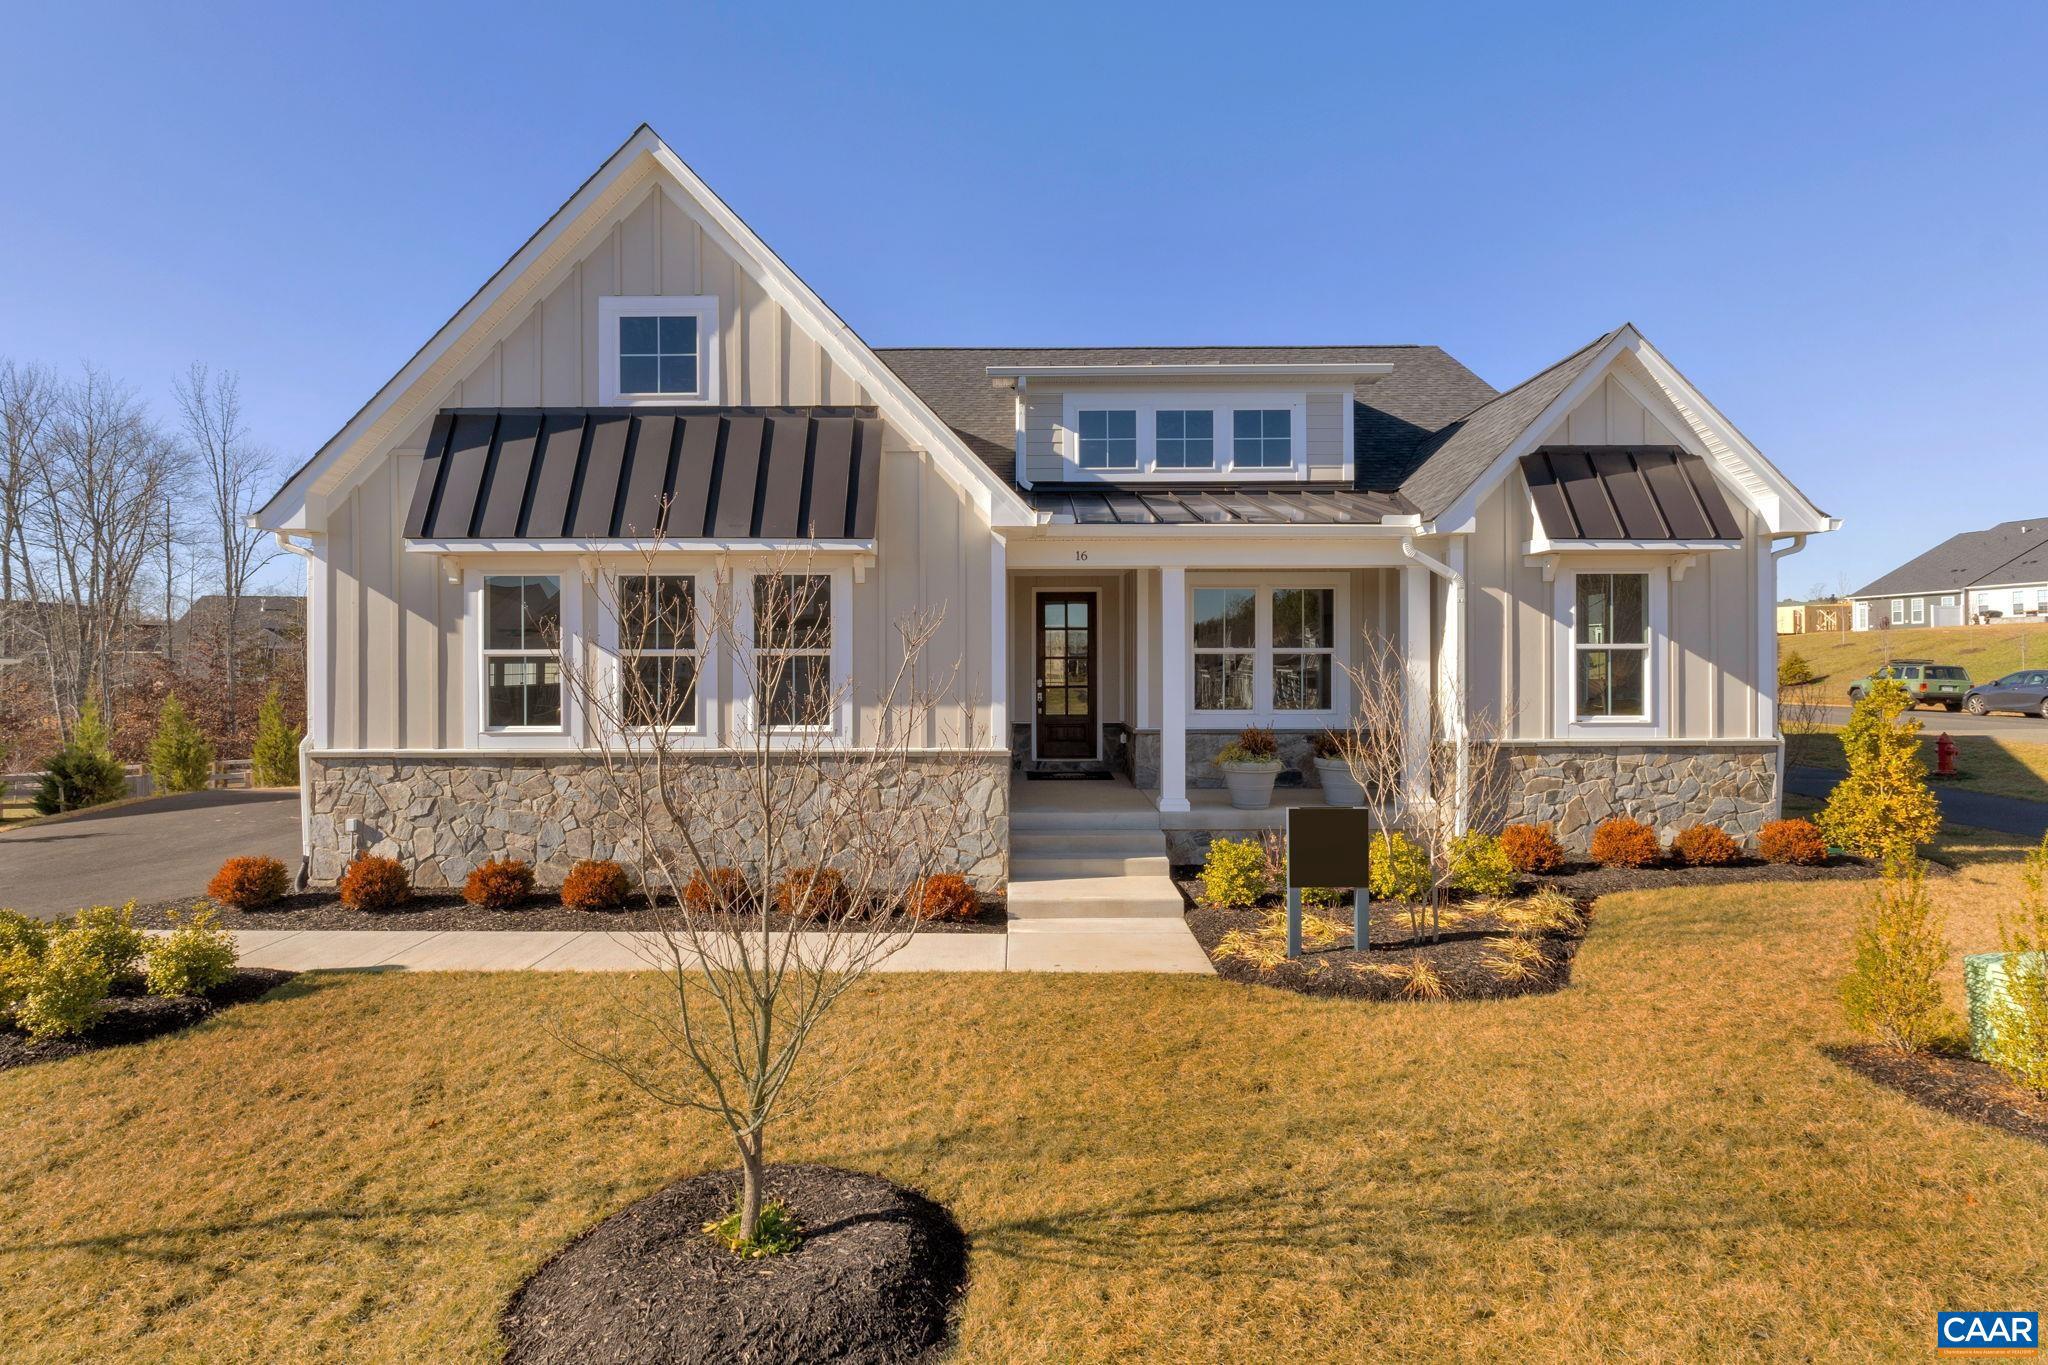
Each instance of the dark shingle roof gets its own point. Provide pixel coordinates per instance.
(2010, 552)
(1392, 416)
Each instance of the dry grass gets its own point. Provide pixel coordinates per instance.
(1987, 652)
(1656, 1163)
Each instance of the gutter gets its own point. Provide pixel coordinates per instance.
(1456, 611)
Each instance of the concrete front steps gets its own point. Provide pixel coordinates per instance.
(1076, 865)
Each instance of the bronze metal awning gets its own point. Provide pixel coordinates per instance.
(636, 474)
(1215, 504)
(1627, 493)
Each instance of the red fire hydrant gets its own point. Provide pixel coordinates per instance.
(1944, 757)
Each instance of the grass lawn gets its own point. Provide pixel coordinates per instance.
(1987, 763)
(1987, 652)
(1658, 1162)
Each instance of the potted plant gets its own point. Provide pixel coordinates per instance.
(1250, 763)
(1340, 788)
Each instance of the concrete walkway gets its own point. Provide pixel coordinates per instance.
(1095, 945)
(1979, 810)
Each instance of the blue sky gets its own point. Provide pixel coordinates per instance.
(1830, 216)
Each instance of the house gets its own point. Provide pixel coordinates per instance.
(1990, 575)
(1211, 532)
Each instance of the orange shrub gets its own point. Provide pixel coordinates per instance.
(498, 883)
(1532, 848)
(595, 884)
(946, 896)
(1792, 841)
(1622, 842)
(373, 884)
(813, 893)
(1705, 846)
(726, 889)
(245, 883)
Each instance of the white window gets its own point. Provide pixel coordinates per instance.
(660, 652)
(1266, 649)
(2041, 599)
(1948, 599)
(658, 349)
(1919, 611)
(1109, 438)
(1262, 438)
(522, 652)
(793, 651)
(1898, 611)
(2019, 602)
(1184, 438)
(1611, 646)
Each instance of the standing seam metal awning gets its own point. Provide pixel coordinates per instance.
(1215, 504)
(609, 473)
(1627, 493)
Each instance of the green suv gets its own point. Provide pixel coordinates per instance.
(1927, 683)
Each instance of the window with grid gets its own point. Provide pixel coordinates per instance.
(658, 354)
(1109, 438)
(1184, 438)
(1611, 645)
(793, 649)
(1226, 648)
(522, 644)
(1304, 643)
(658, 651)
(1262, 438)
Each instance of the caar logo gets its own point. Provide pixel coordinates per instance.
(1987, 1333)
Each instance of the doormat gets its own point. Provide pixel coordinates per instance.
(1035, 776)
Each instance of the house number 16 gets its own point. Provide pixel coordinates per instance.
(1080, 556)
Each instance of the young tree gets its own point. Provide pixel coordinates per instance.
(2019, 1015)
(1883, 808)
(180, 759)
(786, 820)
(1893, 989)
(274, 760)
(235, 474)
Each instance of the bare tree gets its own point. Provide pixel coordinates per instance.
(235, 474)
(28, 407)
(782, 867)
(1432, 785)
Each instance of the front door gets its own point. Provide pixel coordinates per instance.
(1066, 675)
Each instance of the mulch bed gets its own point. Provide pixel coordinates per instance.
(876, 1278)
(1589, 879)
(134, 1017)
(445, 910)
(1961, 1087)
(1460, 957)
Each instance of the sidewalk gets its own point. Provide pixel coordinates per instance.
(1104, 945)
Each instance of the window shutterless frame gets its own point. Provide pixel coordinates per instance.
(479, 649)
(835, 656)
(613, 636)
(663, 339)
(1192, 435)
(1265, 639)
(1604, 640)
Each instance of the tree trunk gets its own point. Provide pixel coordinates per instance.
(750, 1185)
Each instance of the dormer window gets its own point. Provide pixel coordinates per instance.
(1262, 438)
(1185, 438)
(1109, 438)
(660, 349)
(1196, 435)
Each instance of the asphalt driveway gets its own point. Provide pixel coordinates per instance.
(149, 851)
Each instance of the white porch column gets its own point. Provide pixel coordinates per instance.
(999, 626)
(1415, 665)
(1173, 688)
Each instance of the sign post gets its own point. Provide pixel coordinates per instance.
(1329, 846)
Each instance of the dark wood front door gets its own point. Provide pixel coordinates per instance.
(1066, 675)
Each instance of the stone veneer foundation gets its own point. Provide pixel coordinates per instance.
(1669, 786)
(443, 814)
(1202, 748)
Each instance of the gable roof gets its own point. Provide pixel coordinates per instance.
(2010, 552)
(1390, 416)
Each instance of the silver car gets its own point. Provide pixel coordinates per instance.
(2025, 691)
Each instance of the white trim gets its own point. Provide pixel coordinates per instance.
(1654, 721)
(1141, 709)
(1146, 405)
(1094, 683)
(570, 733)
(637, 548)
(746, 717)
(1320, 369)
(609, 669)
(703, 307)
(1263, 583)
(999, 640)
(320, 644)
(1175, 681)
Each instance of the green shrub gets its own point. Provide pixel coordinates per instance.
(180, 759)
(23, 941)
(1793, 669)
(107, 935)
(1400, 870)
(69, 992)
(90, 735)
(1893, 989)
(1883, 808)
(1235, 873)
(74, 778)
(193, 958)
(776, 1233)
(274, 758)
(1480, 866)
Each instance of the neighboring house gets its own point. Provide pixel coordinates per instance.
(1213, 532)
(1804, 618)
(270, 622)
(1997, 574)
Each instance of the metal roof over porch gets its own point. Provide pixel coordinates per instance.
(1215, 504)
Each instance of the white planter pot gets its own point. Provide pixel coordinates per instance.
(1251, 784)
(1340, 788)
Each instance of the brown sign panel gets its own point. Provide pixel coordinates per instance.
(1328, 846)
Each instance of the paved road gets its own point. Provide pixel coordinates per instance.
(1982, 810)
(1936, 722)
(151, 851)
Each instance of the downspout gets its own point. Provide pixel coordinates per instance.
(305, 768)
(1777, 721)
(1454, 610)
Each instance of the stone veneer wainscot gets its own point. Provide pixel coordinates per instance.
(1733, 784)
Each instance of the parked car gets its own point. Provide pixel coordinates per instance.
(2026, 691)
(1927, 682)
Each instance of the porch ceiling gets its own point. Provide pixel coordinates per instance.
(1124, 505)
